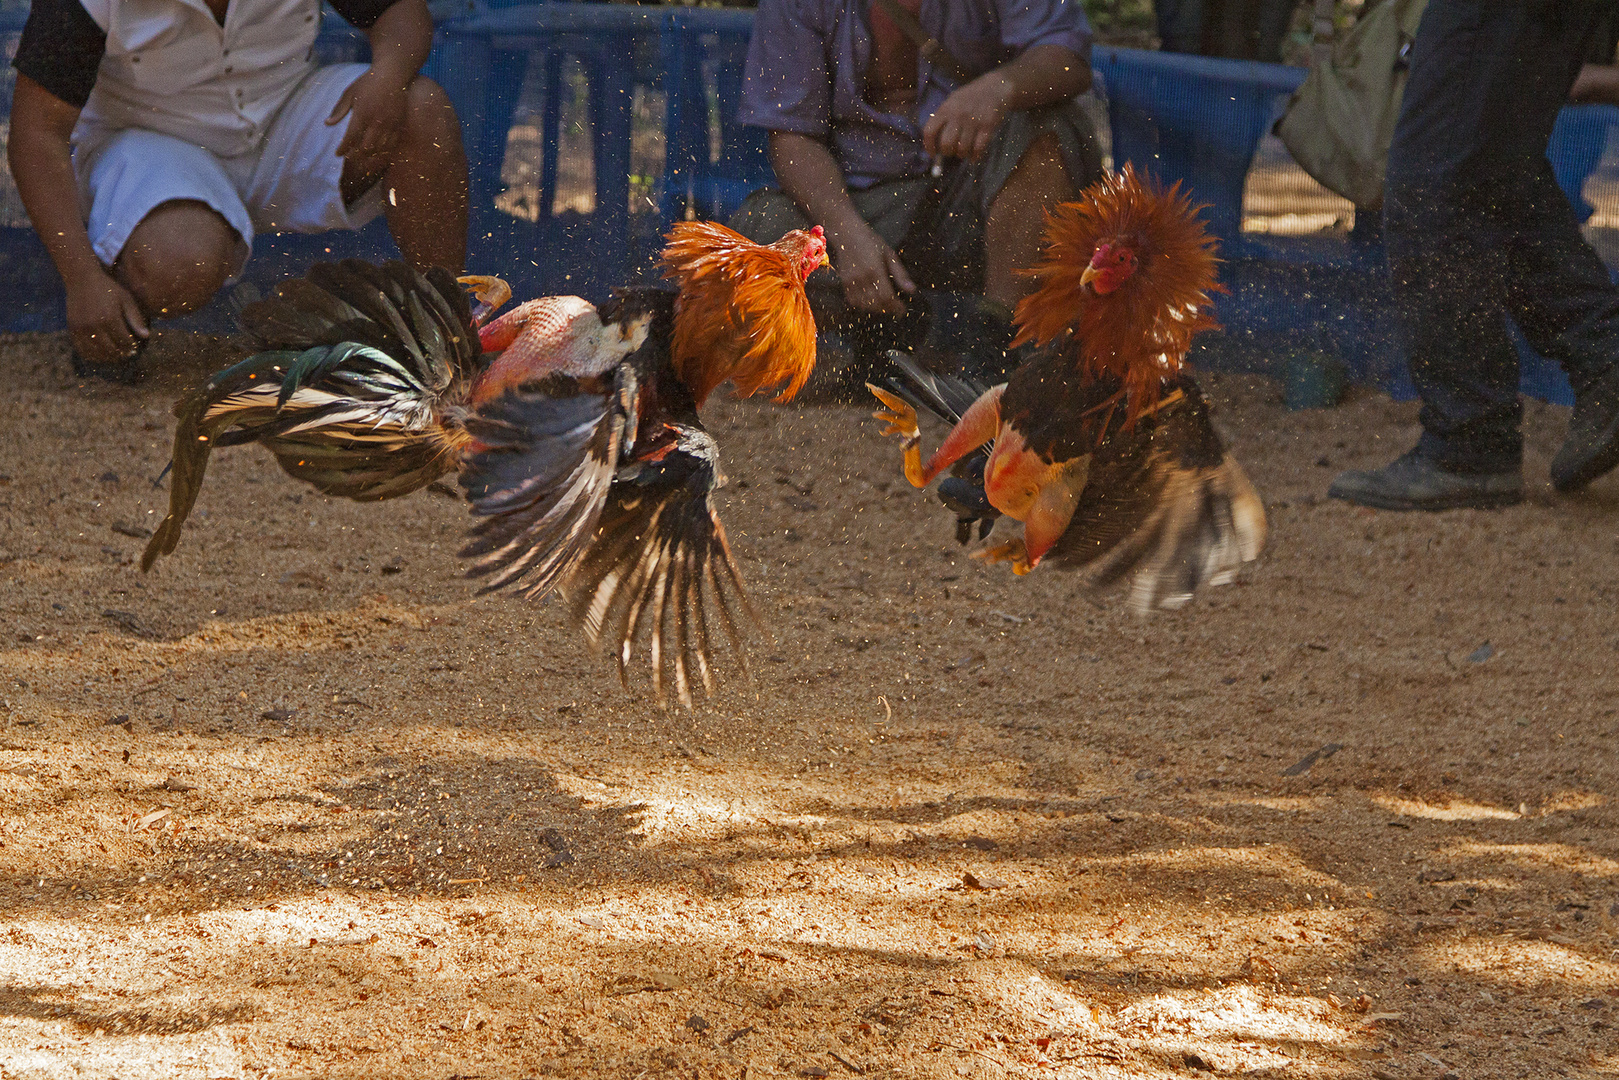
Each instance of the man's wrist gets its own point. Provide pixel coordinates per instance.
(394, 73)
(1000, 85)
(81, 274)
(841, 236)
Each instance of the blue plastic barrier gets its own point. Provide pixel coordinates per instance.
(1181, 117)
(1194, 119)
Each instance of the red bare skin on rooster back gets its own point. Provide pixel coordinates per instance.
(535, 339)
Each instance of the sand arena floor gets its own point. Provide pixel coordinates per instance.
(298, 805)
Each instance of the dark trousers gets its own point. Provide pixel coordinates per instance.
(1478, 230)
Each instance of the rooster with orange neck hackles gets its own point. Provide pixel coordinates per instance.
(1101, 443)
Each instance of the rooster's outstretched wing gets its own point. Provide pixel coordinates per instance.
(581, 492)
(661, 562)
(539, 473)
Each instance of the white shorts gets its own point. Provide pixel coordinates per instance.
(291, 183)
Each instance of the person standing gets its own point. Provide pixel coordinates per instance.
(1479, 232)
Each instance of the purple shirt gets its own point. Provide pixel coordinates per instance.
(807, 70)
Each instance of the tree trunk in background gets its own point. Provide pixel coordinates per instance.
(1240, 29)
(1246, 29)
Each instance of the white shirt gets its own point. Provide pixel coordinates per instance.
(170, 67)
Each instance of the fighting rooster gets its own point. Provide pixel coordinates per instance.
(1101, 443)
(577, 445)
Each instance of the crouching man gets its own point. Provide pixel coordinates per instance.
(929, 139)
(150, 139)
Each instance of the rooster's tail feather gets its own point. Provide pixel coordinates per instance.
(945, 396)
(353, 393)
(1207, 523)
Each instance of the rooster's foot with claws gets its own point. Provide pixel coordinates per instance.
(901, 421)
(488, 295)
(1012, 552)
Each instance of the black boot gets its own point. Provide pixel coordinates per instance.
(1592, 446)
(1413, 482)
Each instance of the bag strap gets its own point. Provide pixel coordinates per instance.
(929, 46)
(1323, 30)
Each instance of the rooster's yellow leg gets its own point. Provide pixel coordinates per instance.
(901, 421)
(490, 293)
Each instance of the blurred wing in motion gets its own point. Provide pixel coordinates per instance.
(661, 563)
(353, 393)
(1158, 500)
(1166, 506)
(580, 491)
(539, 473)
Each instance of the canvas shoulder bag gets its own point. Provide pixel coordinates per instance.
(1339, 124)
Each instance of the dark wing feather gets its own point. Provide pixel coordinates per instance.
(546, 457)
(947, 397)
(1165, 503)
(662, 565)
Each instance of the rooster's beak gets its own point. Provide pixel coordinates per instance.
(824, 261)
(1091, 274)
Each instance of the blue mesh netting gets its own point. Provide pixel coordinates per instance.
(590, 126)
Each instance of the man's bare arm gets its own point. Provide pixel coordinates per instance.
(102, 316)
(1042, 75)
(400, 41)
(1596, 84)
(867, 267)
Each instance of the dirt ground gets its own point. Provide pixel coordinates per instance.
(297, 804)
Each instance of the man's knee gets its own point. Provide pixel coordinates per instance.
(429, 113)
(178, 257)
(1041, 176)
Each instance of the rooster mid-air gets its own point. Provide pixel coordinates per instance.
(1101, 443)
(578, 444)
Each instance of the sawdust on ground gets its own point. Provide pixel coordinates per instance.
(298, 804)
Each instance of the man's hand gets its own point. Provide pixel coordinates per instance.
(375, 104)
(1596, 84)
(967, 120)
(103, 319)
(872, 275)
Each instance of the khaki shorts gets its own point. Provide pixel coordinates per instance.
(936, 226)
(291, 183)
